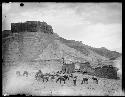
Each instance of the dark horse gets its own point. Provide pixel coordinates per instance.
(85, 80)
(39, 75)
(95, 79)
(45, 78)
(61, 78)
(66, 77)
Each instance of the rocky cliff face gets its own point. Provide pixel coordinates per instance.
(44, 49)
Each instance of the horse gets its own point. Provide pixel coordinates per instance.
(18, 73)
(38, 75)
(61, 78)
(95, 80)
(85, 80)
(52, 77)
(71, 75)
(66, 77)
(44, 77)
(25, 73)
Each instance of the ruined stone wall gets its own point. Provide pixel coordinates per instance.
(106, 72)
(31, 26)
(86, 67)
(68, 68)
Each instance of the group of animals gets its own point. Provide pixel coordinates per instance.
(58, 76)
(25, 73)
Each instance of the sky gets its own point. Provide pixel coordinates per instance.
(95, 24)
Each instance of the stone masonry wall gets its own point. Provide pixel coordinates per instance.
(31, 26)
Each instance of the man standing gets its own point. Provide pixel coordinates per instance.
(74, 80)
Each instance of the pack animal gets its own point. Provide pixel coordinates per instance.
(45, 78)
(85, 80)
(66, 77)
(53, 77)
(61, 78)
(95, 80)
(38, 75)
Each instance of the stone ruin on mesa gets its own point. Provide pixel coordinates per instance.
(31, 26)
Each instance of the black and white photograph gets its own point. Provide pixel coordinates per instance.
(62, 49)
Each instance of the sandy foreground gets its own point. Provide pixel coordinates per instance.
(13, 84)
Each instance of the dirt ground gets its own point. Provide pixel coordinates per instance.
(13, 84)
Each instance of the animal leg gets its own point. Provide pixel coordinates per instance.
(60, 81)
(47, 80)
(57, 80)
(64, 82)
(82, 82)
(86, 82)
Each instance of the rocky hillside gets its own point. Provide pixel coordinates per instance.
(118, 64)
(46, 47)
(112, 55)
(105, 56)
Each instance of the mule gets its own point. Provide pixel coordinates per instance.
(61, 78)
(38, 75)
(66, 77)
(95, 80)
(85, 80)
(52, 77)
(45, 78)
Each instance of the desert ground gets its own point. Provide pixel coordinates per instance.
(13, 84)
